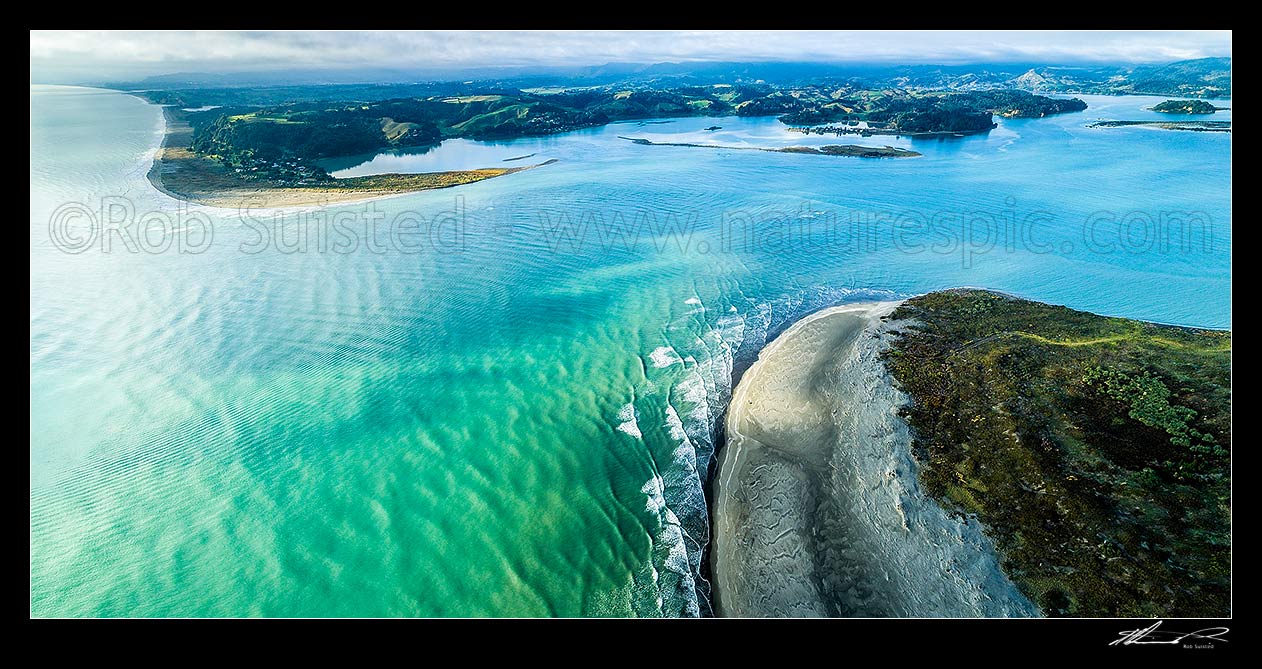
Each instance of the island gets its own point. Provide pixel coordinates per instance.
(852, 150)
(966, 453)
(1189, 126)
(1186, 107)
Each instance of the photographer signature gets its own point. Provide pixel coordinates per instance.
(1153, 635)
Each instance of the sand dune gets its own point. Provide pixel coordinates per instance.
(817, 507)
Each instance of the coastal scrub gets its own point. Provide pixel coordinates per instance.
(1096, 450)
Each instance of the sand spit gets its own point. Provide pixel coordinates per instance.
(182, 174)
(818, 511)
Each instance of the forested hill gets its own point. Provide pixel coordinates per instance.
(242, 136)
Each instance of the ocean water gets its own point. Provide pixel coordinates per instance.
(500, 399)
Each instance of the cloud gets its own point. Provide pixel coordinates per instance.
(59, 56)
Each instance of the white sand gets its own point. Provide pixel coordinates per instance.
(817, 508)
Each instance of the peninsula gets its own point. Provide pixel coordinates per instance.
(1010, 457)
(817, 507)
(183, 173)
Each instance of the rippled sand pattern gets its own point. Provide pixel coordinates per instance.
(524, 424)
(818, 512)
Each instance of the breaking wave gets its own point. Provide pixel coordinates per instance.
(690, 377)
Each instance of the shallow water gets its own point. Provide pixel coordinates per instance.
(508, 410)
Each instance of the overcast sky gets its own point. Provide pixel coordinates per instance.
(81, 56)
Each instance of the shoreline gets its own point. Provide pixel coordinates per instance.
(816, 494)
(848, 150)
(885, 132)
(183, 175)
(1186, 126)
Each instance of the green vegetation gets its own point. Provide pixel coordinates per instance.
(285, 142)
(1096, 450)
(966, 112)
(1185, 107)
(908, 112)
(1202, 77)
(212, 180)
(1020, 104)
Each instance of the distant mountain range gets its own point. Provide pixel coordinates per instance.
(1204, 77)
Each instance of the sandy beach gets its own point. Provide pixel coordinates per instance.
(817, 507)
(184, 175)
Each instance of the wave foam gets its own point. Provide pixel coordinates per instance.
(629, 423)
(665, 356)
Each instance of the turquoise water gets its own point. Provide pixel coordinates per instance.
(512, 413)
